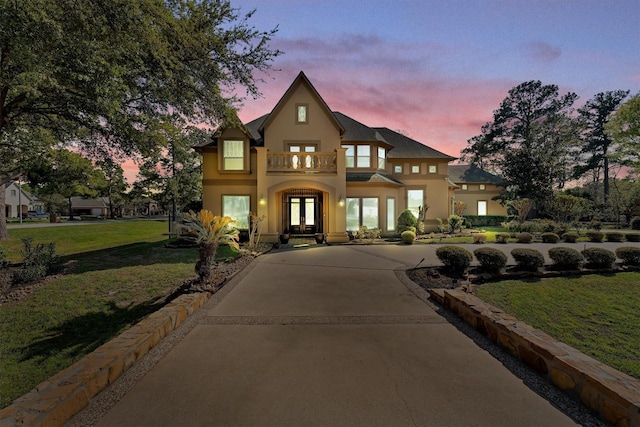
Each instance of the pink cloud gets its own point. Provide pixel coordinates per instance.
(541, 51)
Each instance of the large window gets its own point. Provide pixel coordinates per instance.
(482, 207)
(362, 211)
(233, 155)
(364, 156)
(237, 207)
(351, 155)
(381, 158)
(391, 214)
(415, 199)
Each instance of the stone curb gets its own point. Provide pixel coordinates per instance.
(612, 395)
(56, 400)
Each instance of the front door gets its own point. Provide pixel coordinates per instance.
(302, 214)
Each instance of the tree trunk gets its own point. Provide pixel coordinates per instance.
(70, 210)
(207, 253)
(606, 180)
(4, 233)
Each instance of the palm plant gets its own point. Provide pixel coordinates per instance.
(209, 231)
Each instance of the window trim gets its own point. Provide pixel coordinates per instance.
(486, 208)
(483, 187)
(391, 216)
(413, 169)
(397, 169)
(222, 205)
(464, 187)
(361, 200)
(306, 114)
(358, 157)
(433, 169)
(382, 161)
(245, 156)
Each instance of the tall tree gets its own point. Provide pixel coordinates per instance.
(526, 143)
(624, 130)
(596, 143)
(115, 185)
(93, 71)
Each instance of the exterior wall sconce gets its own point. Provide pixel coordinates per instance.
(262, 200)
(341, 201)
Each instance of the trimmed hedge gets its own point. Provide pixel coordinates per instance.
(491, 259)
(408, 237)
(502, 237)
(629, 255)
(599, 257)
(479, 238)
(614, 236)
(550, 237)
(455, 258)
(635, 223)
(524, 237)
(632, 237)
(486, 220)
(570, 237)
(528, 259)
(595, 236)
(568, 258)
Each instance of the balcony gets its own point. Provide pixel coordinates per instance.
(295, 162)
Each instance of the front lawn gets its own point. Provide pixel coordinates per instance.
(596, 314)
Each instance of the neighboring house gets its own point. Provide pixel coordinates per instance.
(17, 199)
(89, 207)
(310, 170)
(476, 188)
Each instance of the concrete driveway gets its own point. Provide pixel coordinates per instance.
(329, 336)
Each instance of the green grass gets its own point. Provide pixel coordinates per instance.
(596, 314)
(120, 273)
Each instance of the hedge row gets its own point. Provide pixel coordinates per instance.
(457, 259)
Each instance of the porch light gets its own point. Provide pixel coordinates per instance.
(262, 200)
(341, 201)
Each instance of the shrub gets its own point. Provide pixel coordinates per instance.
(550, 237)
(479, 238)
(6, 281)
(491, 259)
(595, 225)
(38, 261)
(629, 255)
(635, 223)
(406, 221)
(408, 237)
(502, 237)
(524, 237)
(455, 258)
(511, 227)
(599, 257)
(570, 237)
(614, 236)
(528, 259)
(595, 236)
(4, 263)
(566, 258)
(365, 233)
(455, 222)
(632, 237)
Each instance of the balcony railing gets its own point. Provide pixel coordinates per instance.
(316, 162)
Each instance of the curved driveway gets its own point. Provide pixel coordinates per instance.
(329, 336)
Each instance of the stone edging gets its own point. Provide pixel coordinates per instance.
(609, 393)
(56, 400)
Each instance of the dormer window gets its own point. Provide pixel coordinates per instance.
(233, 155)
(364, 156)
(382, 154)
(302, 113)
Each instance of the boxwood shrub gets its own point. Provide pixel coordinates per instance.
(570, 237)
(614, 236)
(599, 257)
(454, 258)
(528, 259)
(595, 236)
(632, 237)
(479, 238)
(490, 259)
(502, 237)
(549, 237)
(635, 223)
(566, 258)
(524, 237)
(629, 255)
(408, 237)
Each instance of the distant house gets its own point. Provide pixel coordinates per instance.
(476, 188)
(89, 207)
(308, 169)
(17, 200)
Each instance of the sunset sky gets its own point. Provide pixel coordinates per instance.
(436, 70)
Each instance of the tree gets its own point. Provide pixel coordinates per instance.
(96, 71)
(624, 130)
(527, 142)
(115, 185)
(67, 174)
(523, 207)
(596, 143)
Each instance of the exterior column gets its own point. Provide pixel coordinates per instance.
(338, 219)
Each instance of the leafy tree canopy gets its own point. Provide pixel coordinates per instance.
(624, 129)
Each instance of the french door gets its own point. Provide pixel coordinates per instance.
(303, 214)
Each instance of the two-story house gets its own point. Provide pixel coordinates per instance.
(310, 170)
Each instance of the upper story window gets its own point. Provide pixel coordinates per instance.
(302, 148)
(397, 169)
(364, 156)
(433, 169)
(233, 155)
(13, 193)
(415, 168)
(350, 155)
(302, 113)
(464, 186)
(483, 187)
(382, 158)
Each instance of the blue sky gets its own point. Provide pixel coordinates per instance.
(436, 70)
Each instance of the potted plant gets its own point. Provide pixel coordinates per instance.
(319, 238)
(284, 237)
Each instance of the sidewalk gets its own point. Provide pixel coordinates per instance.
(329, 336)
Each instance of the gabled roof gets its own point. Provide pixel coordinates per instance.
(356, 131)
(405, 147)
(301, 79)
(378, 177)
(470, 174)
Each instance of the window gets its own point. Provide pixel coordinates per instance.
(433, 169)
(13, 193)
(237, 207)
(464, 186)
(350, 155)
(483, 187)
(362, 211)
(415, 168)
(397, 169)
(233, 155)
(415, 200)
(364, 156)
(391, 214)
(302, 113)
(482, 207)
(381, 158)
